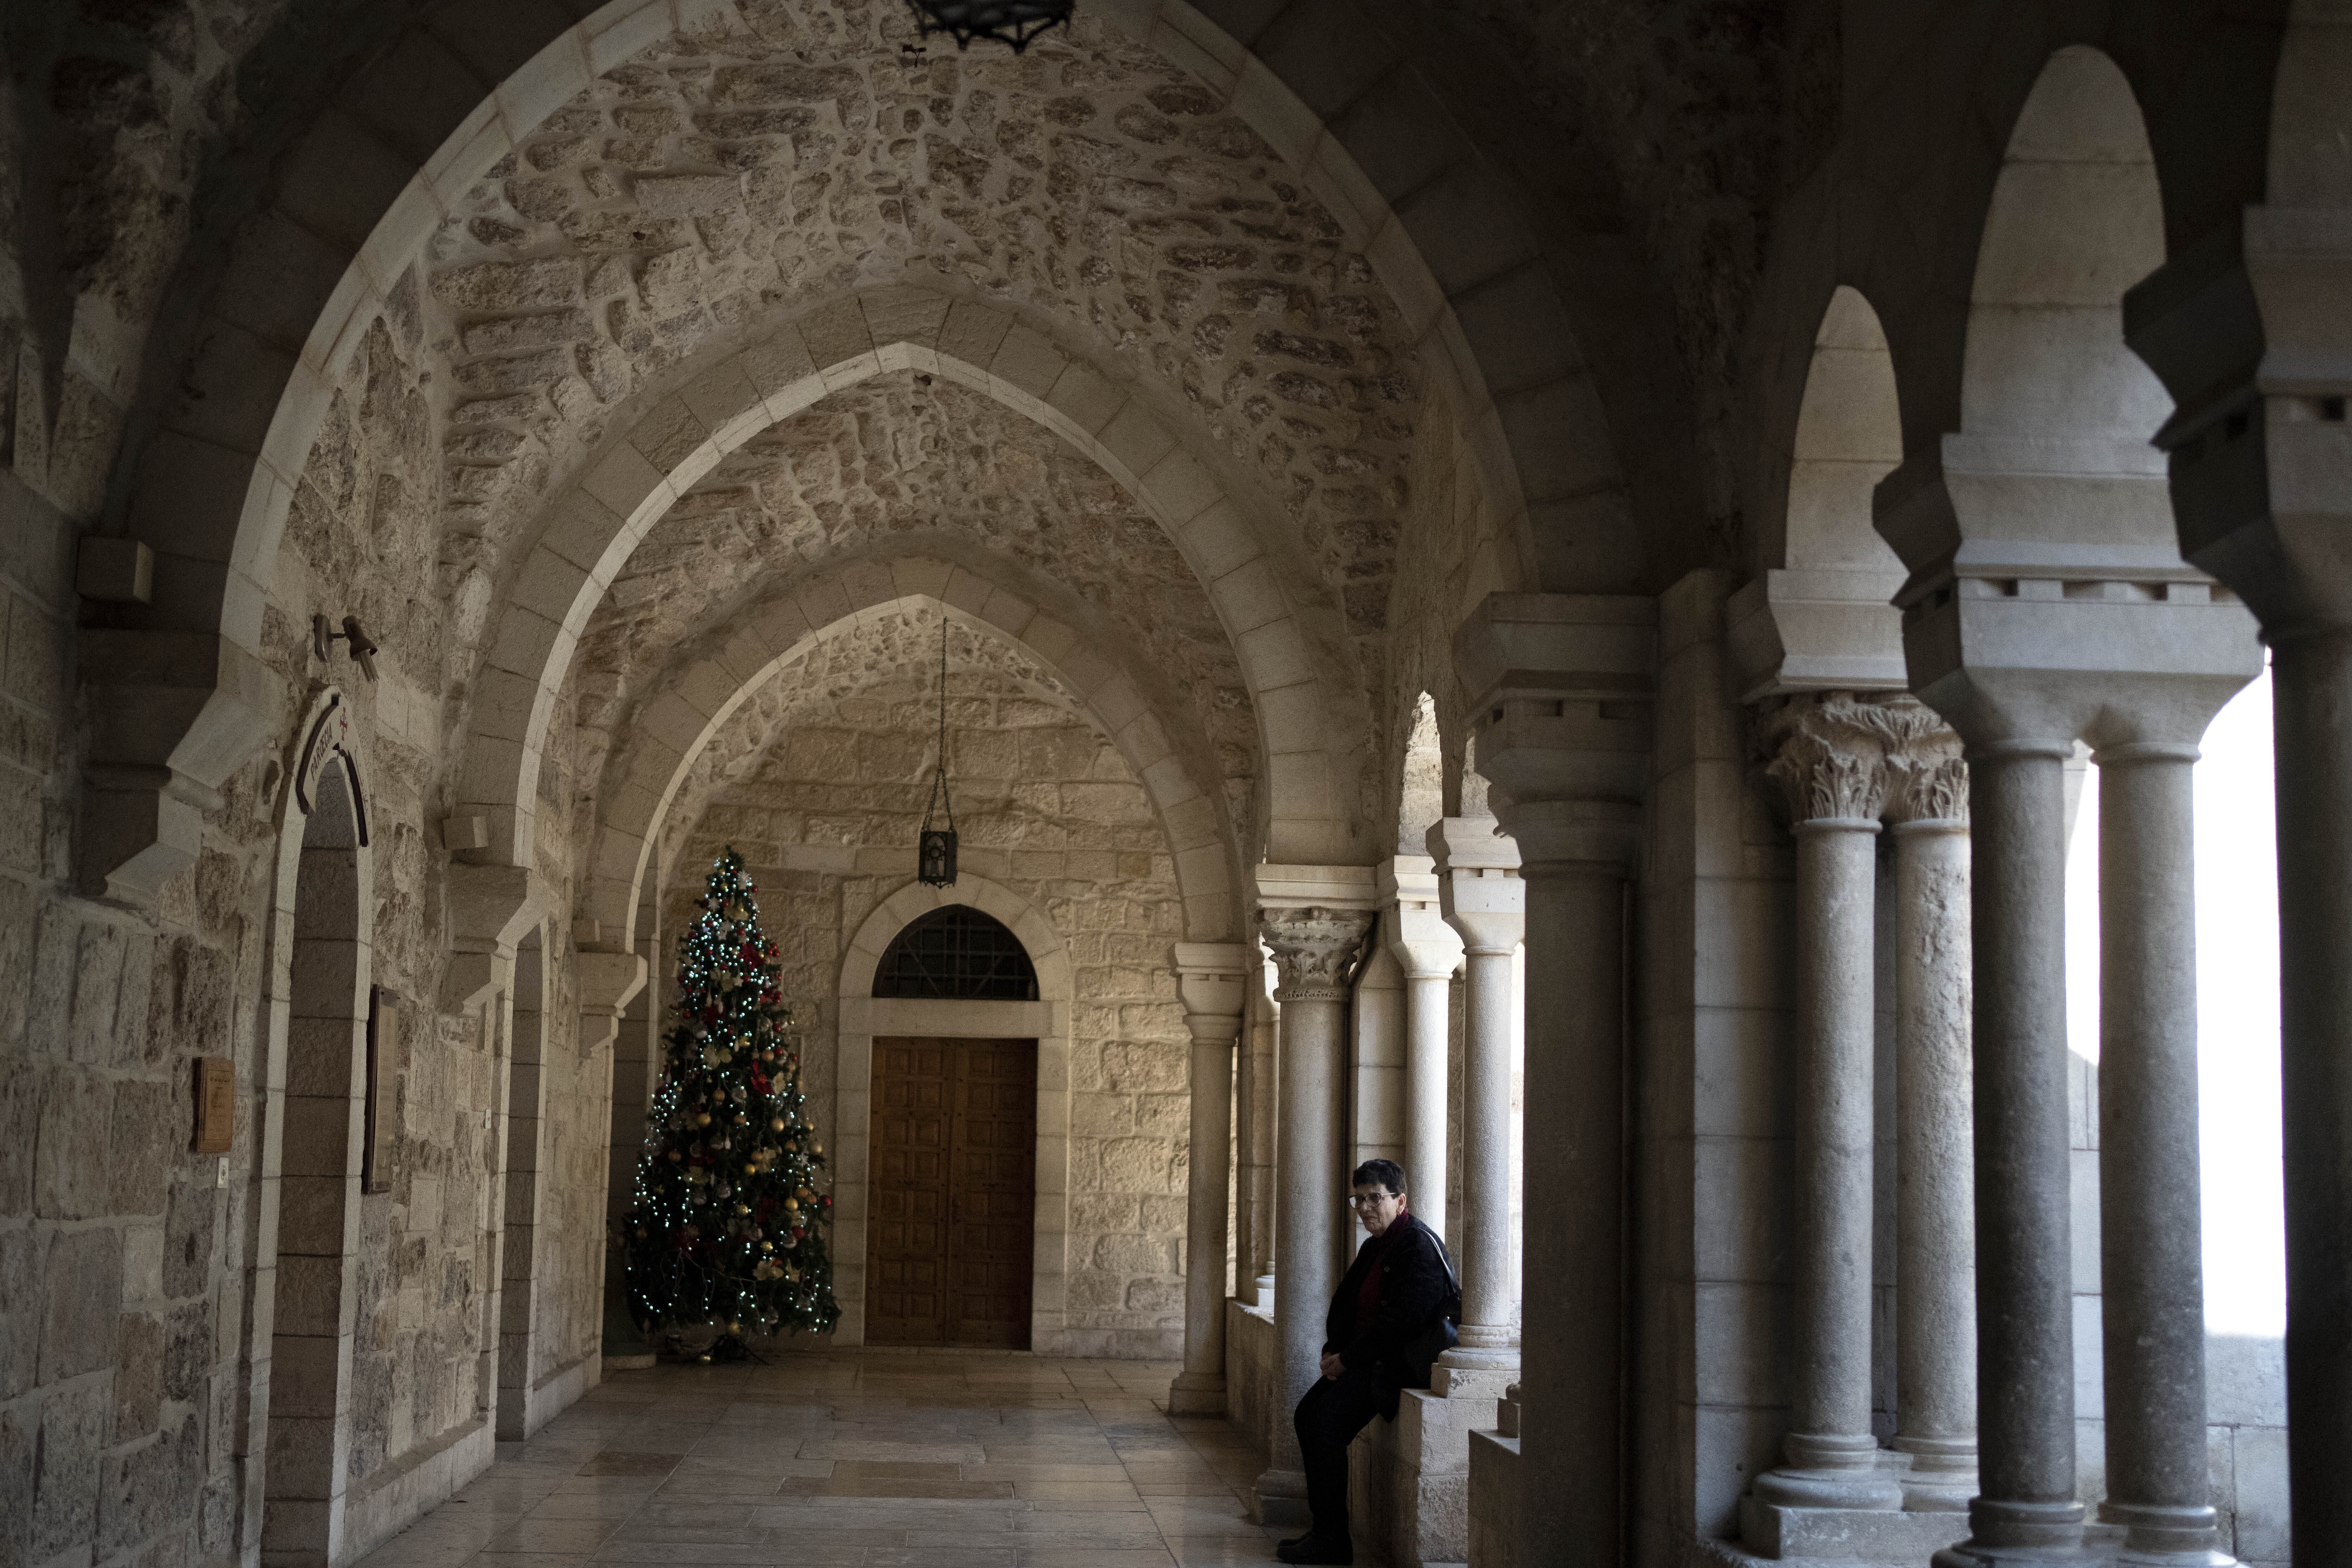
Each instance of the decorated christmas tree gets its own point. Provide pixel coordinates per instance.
(728, 1227)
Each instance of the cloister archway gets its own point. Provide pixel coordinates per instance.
(681, 720)
(364, 184)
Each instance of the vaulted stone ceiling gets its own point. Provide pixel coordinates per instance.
(741, 176)
(889, 466)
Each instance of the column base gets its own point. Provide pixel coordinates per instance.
(1197, 1394)
(1876, 1535)
(1941, 1476)
(1481, 1349)
(2003, 1534)
(1278, 1499)
(1832, 1471)
(2186, 1537)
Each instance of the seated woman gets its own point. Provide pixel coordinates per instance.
(1391, 1317)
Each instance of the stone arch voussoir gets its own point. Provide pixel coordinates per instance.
(595, 524)
(684, 715)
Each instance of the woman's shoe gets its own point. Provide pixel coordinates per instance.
(1316, 1549)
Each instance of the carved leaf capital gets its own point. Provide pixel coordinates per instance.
(1312, 948)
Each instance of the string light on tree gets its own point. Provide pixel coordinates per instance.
(728, 1224)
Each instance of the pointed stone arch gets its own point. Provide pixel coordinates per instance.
(681, 719)
(1308, 720)
(313, 1089)
(1822, 612)
(359, 186)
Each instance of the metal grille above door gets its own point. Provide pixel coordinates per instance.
(956, 955)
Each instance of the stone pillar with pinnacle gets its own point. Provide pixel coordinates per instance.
(1829, 753)
(1208, 977)
(1313, 920)
(1429, 952)
(1485, 902)
(2253, 339)
(1562, 689)
(2128, 649)
(1934, 1254)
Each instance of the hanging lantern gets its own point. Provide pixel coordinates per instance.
(935, 850)
(1014, 22)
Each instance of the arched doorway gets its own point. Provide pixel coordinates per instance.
(323, 975)
(951, 1242)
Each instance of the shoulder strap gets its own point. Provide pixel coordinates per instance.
(1444, 1258)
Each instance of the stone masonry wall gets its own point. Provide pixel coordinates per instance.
(1047, 807)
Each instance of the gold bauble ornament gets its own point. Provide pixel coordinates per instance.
(793, 1204)
(702, 1119)
(777, 1125)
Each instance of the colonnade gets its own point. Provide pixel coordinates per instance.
(1973, 811)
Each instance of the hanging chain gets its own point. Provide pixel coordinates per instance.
(939, 774)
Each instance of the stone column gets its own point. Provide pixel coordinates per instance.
(1564, 685)
(2312, 704)
(2025, 1332)
(1935, 1235)
(1245, 1156)
(1485, 902)
(1209, 978)
(1829, 755)
(1265, 1119)
(1314, 945)
(2151, 1253)
(1428, 952)
(2105, 635)
(2255, 341)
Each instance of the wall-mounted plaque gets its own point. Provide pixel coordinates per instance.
(383, 1055)
(216, 1105)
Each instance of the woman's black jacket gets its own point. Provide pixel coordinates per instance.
(1415, 1291)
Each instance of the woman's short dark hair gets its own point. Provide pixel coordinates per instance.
(1384, 1174)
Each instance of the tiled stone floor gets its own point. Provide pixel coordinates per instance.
(942, 1459)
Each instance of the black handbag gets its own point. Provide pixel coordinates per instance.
(1421, 1352)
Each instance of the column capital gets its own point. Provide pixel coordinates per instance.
(1561, 687)
(1828, 752)
(1415, 929)
(1211, 978)
(2045, 606)
(607, 981)
(1479, 884)
(2247, 332)
(1312, 946)
(489, 909)
(1855, 757)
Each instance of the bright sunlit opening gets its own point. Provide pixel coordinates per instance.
(2237, 1009)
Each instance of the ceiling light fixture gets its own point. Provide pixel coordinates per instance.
(1012, 22)
(934, 851)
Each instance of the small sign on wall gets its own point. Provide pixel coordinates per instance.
(216, 1105)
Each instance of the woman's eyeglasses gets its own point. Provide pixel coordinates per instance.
(1360, 1201)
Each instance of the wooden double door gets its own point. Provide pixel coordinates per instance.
(950, 1235)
